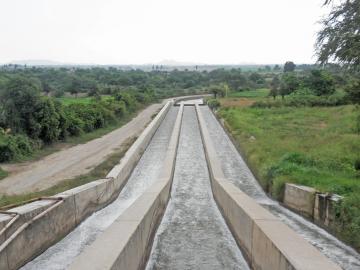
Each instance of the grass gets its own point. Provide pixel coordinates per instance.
(244, 98)
(72, 100)
(257, 93)
(312, 146)
(98, 172)
(78, 100)
(3, 174)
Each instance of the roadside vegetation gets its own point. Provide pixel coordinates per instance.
(99, 172)
(305, 128)
(308, 136)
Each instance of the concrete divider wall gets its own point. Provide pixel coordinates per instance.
(310, 203)
(300, 198)
(267, 243)
(126, 243)
(40, 224)
(184, 98)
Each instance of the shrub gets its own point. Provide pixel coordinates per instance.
(75, 124)
(14, 147)
(303, 99)
(213, 103)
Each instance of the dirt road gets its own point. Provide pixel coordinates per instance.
(74, 161)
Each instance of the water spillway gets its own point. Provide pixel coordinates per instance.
(193, 233)
(236, 170)
(60, 255)
(171, 212)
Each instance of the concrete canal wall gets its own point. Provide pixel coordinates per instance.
(267, 243)
(126, 244)
(312, 204)
(28, 230)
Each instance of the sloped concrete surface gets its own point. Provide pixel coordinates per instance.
(125, 244)
(193, 234)
(60, 255)
(269, 244)
(237, 172)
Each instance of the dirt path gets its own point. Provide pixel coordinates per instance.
(74, 161)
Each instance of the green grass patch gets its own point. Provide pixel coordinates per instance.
(313, 146)
(78, 100)
(256, 93)
(74, 100)
(98, 172)
(3, 174)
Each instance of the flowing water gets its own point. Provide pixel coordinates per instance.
(193, 233)
(60, 255)
(236, 170)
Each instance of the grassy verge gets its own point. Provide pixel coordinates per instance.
(3, 174)
(313, 146)
(83, 138)
(99, 172)
(258, 93)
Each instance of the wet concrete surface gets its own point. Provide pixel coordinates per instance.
(193, 233)
(145, 173)
(236, 170)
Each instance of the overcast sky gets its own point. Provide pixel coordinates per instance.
(148, 31)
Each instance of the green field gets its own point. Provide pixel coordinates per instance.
(313, 146)
(79, 100)
(3, 174)
(258, 93)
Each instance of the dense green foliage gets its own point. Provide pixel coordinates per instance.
(339, 39)
(30, 120)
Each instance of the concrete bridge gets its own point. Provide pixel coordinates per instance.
(181, 198)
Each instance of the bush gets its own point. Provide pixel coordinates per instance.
(14, 147)
(348, 221)
(75, 124)
(213, 103)
(303, 99)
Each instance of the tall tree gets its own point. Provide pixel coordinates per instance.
(289, 66)
(275, 85)
(339, 38)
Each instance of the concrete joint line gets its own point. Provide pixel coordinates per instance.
(28, 223)
(270, 246)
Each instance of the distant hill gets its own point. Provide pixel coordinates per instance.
(37, 63)
(169, 62)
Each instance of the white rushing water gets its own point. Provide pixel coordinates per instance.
(61, 255)
(236, 170)
(193, 233)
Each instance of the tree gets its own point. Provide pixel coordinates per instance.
(353, 91)
(46, 88)
(19, 102)
(339, 38)
(276, 68)
(321, 82)
(75, 85)
(289, 83)
(217, 90)
(289, 66)
(256, 78)
(49, 121)
(275, 85)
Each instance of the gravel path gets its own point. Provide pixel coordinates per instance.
(74, 161)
